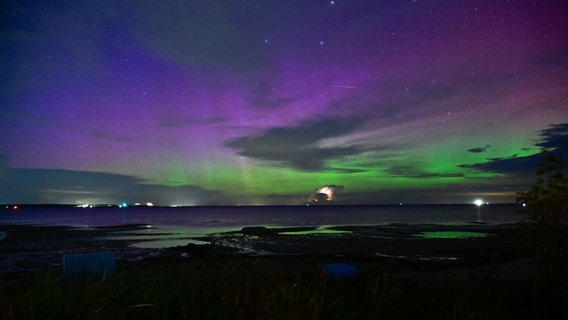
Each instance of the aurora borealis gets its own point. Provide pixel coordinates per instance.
(262, 102)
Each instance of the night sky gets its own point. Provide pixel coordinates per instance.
(262, 102)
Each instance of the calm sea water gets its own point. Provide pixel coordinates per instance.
(167, 227)
(205, 220)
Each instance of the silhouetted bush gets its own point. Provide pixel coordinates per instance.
(545, 211)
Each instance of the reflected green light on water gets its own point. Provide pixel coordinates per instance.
(166, 236)
(452, 235)
(318, 230)
(167, 243)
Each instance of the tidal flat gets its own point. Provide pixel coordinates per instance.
(277, 273)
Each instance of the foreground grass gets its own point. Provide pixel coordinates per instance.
(273, 289)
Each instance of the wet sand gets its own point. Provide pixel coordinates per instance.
(395, 248)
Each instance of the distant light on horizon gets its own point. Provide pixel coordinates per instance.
(478, 202)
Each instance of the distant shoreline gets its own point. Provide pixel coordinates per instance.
(9, 206)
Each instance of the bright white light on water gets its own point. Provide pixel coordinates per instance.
(478, 202)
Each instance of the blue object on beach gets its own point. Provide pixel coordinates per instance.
(88, 266)
(340, 270)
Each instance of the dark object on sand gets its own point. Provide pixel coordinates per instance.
(340, 270)
(79, 268)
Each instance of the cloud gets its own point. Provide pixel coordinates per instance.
(297, 146)
(507, 165)
(325, 193)
(73, 187)
(479, 149)
(412, 171)
(555, 138)
(346, 170)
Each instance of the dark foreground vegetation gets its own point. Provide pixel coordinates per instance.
(281, 288)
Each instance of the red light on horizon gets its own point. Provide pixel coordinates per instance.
(15, 207)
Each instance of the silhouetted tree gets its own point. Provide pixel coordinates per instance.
(545, 209)
(545, 204)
